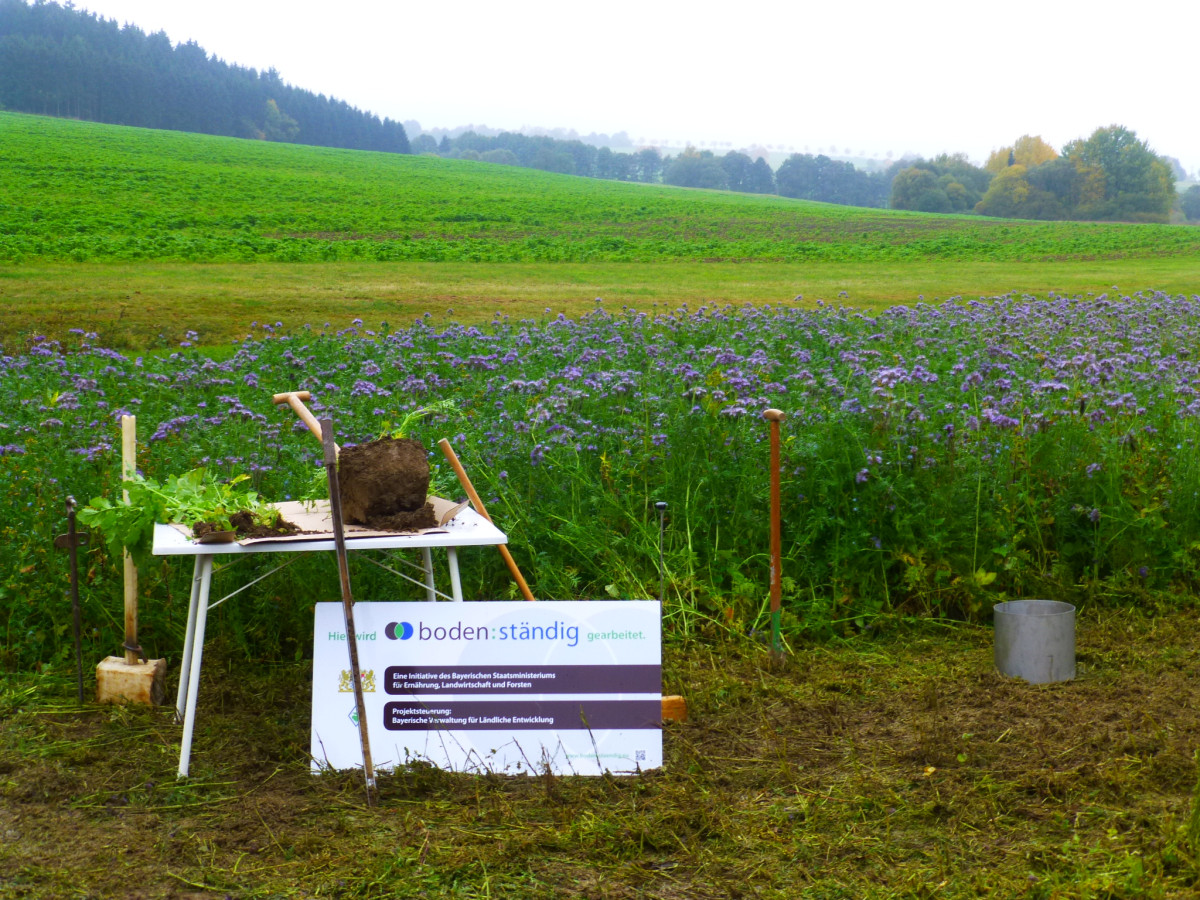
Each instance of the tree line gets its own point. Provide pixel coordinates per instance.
(56, 60)
(568, 157)
(1110, 175)
(801, 176)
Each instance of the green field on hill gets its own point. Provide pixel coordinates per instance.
(141, 233)
(73, 190)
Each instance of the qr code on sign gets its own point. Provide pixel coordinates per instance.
(639, 755)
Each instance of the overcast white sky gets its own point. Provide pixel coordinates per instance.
(926, 77)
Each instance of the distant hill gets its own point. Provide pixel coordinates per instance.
(60, 61)
(86, 191)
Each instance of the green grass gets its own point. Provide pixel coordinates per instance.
(73, 190)
(151, 303)
(137, 233)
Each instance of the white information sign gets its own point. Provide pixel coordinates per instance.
(506, 686)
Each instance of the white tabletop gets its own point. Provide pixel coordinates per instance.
(466, 529)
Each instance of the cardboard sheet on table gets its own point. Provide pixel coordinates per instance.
(316, 523)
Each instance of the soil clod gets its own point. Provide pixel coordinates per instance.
(385, 485)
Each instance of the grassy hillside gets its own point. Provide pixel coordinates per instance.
(79, 191)
(144, 235)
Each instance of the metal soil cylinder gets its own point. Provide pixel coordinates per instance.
(1035, 640)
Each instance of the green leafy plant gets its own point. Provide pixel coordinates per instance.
(440, 407)
(187, 499)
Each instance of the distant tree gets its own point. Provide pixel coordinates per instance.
(1028, 151)
(761, 179)
(975, 180)
(605, 163)
(424, 143)
(950, 184)
(1011, 195)
(808, 177)
(1137, 185)
(1061, 179)
(278, 125)
(737, 168)
(583, 157)
(697, 169)
(919, 190)
(500, 157)
(1189, 202)
(799, 176)
(617, 166)
(1176, 167)
(549, 159)
(649, 165)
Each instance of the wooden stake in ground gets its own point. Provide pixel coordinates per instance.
(774, 417)
(131, 678)
(452, 458)
(128, 469)
(339, 539)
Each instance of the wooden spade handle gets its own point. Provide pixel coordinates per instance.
(452, 458)
(295, 399)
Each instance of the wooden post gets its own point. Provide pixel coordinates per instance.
(452, 458)
(128, 469)
(131, 678)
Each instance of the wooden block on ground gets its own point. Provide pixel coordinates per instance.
(674, 709)
(119, 682)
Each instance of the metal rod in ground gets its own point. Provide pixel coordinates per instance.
(452, 458)
(339, 539)
(71, 541)
(774, 417)
(661, 506)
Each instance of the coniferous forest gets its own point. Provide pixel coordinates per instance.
(59, 61)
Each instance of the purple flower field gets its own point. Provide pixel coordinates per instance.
(938, 458)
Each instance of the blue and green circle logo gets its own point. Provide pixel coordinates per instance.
(398, 631)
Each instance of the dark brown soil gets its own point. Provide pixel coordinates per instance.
(385, 485)
(247, 525)
(413, 520)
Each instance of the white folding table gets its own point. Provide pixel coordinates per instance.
(466, 529)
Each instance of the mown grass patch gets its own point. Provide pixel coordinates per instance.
(146, 305)
(892, 765)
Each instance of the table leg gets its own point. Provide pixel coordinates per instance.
(455, 582)
(205, 565)
(185, 666)
(427, 559)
